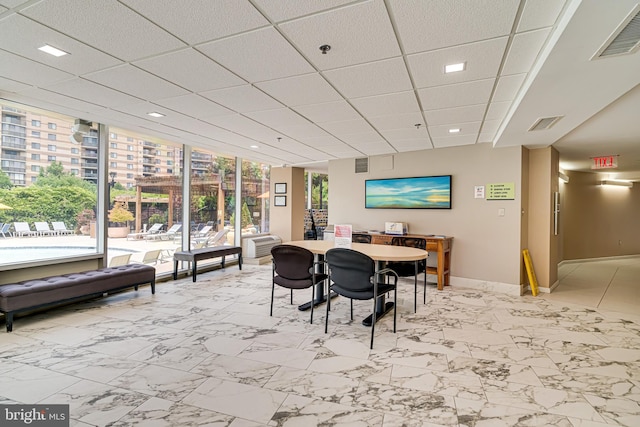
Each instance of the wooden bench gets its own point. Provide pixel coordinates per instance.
(48, 291)
(195, 255)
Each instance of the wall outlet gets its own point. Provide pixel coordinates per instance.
(501, 212)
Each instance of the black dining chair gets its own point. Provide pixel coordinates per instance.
(361, 238)
(353, 275)
(411, 268)
(293, 267)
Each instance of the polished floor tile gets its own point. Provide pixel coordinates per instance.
(208, 353)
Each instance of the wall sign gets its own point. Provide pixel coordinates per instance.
(501, 191)
(605, 162)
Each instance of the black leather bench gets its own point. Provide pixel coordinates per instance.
(38, 293)
(195, 255)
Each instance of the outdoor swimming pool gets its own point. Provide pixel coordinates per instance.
(10, 255)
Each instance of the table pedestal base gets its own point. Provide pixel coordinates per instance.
(388, 306)
(316, 302)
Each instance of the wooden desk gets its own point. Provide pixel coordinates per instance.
(435, 244)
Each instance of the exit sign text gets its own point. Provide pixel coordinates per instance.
(605, 162)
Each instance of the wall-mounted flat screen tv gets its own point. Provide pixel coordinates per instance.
(425, 192)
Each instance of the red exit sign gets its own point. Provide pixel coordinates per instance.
(605, 162)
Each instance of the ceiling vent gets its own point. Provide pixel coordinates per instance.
(626, 38)
(362, 165)
(545, 123)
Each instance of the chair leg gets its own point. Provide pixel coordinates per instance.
(292, 297)
(273, 287)
(351, 301)
(415, 289)
(326, 319)
(312, 304)
(424, 294)
(373, 320)
(395, 305)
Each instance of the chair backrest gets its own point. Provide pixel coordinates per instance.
(205, 230)
(217, 238)
(361, 238)
(21, 226)
(120, 260)
(350, 269)
(155, 228)
(414, 242)
(6, 227)
(151, 256)
(42, 226)
(292, 262)
(59, 226)
(175, 228)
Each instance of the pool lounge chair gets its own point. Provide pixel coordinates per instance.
(61, 229)
(4, 230)
(154, 229)
(171, 233)
(150, 257)
(22, 229)
(43, 229)
(120, 260)
(217, 239)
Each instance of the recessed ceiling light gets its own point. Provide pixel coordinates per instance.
(154, 114)
(454, 130)
(452, 68)
(253, 146)
(52, 50)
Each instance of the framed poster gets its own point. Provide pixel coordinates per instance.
(280, 188)
(280, 201)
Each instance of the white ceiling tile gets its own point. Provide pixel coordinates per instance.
(3, 9)
(490, 126)
(508, 87)
(457, 95)
(394, 135)
(194, 106)
(242, 99)
(397, 121)
(384, 105)
(56, 98)
(406, 145)
(106, 25)
(20, 69)
(304, 132)
(190, 69)
(357, 34)
(281, 10)
(23, 36)
(373, 78)
(93, 92)
(454, 141)
(258, 55)
(486, 137)
(445, 116)
(142, 110)
(279, 118)
(129, 79)
(457, 22)
(8, 85)
(199, 21)
(471, 128)
(325, 142)
(482, 60)
(539, 13)
(347, 127)
(245, 126)
(524, 51)
(360, 139)
(328, 112)
(376, 150)
(300, 90)
(497, 110)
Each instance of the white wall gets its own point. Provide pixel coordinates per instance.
(486, 247)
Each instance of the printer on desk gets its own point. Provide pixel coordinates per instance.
(396, 228)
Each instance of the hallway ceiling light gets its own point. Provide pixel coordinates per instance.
(454, 68)
(155, 114)
(52, 50)
(564, 177)
(454, 130)
(628, 184)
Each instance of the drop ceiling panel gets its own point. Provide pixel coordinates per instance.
(471, 128)
(325, 142)
(446, 116)
(172, 118)
(490, 126)
(454, 141)
(347, 127)
(373, 78)
(328, 112)
(281, 10)
(457, 22)
(199, 21)
(129, 79)
(23, 36)
(23, 70)
(457, 95)
(381, 105)
(360, 139)
(106, 25)
(524, 51)
(8, 85)
(258, 55)
(397, 121)
(245, 126)
(405, 145)
(93, 92)
(497, 110)
(357, 34)
(303, 133)
(58, 99)
(507, 87)
(482, 60)
(190, 69)
(279, 118)
(194, 105)
(395, 135)
(376, 150)
(539, 14)
(242, 99)
(300, 90)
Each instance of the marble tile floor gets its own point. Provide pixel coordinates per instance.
(208, 353)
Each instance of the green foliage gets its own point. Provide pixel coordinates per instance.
(55, 176)
(119, 214)
(246, 216)
(5, 181)
(158, 219)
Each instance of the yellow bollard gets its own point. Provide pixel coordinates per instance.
(533, 282)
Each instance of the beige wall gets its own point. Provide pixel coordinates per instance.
(486, 247)
(287, 222)
(599, 221)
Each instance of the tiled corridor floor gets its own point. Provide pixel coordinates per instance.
(207, 353)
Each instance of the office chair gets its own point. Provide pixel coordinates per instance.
(411, 268)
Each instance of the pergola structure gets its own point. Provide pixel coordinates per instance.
(201, 185)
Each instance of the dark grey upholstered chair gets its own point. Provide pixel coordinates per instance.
(294, 268)
(361, 238)
(352, 274)
(411, 268)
